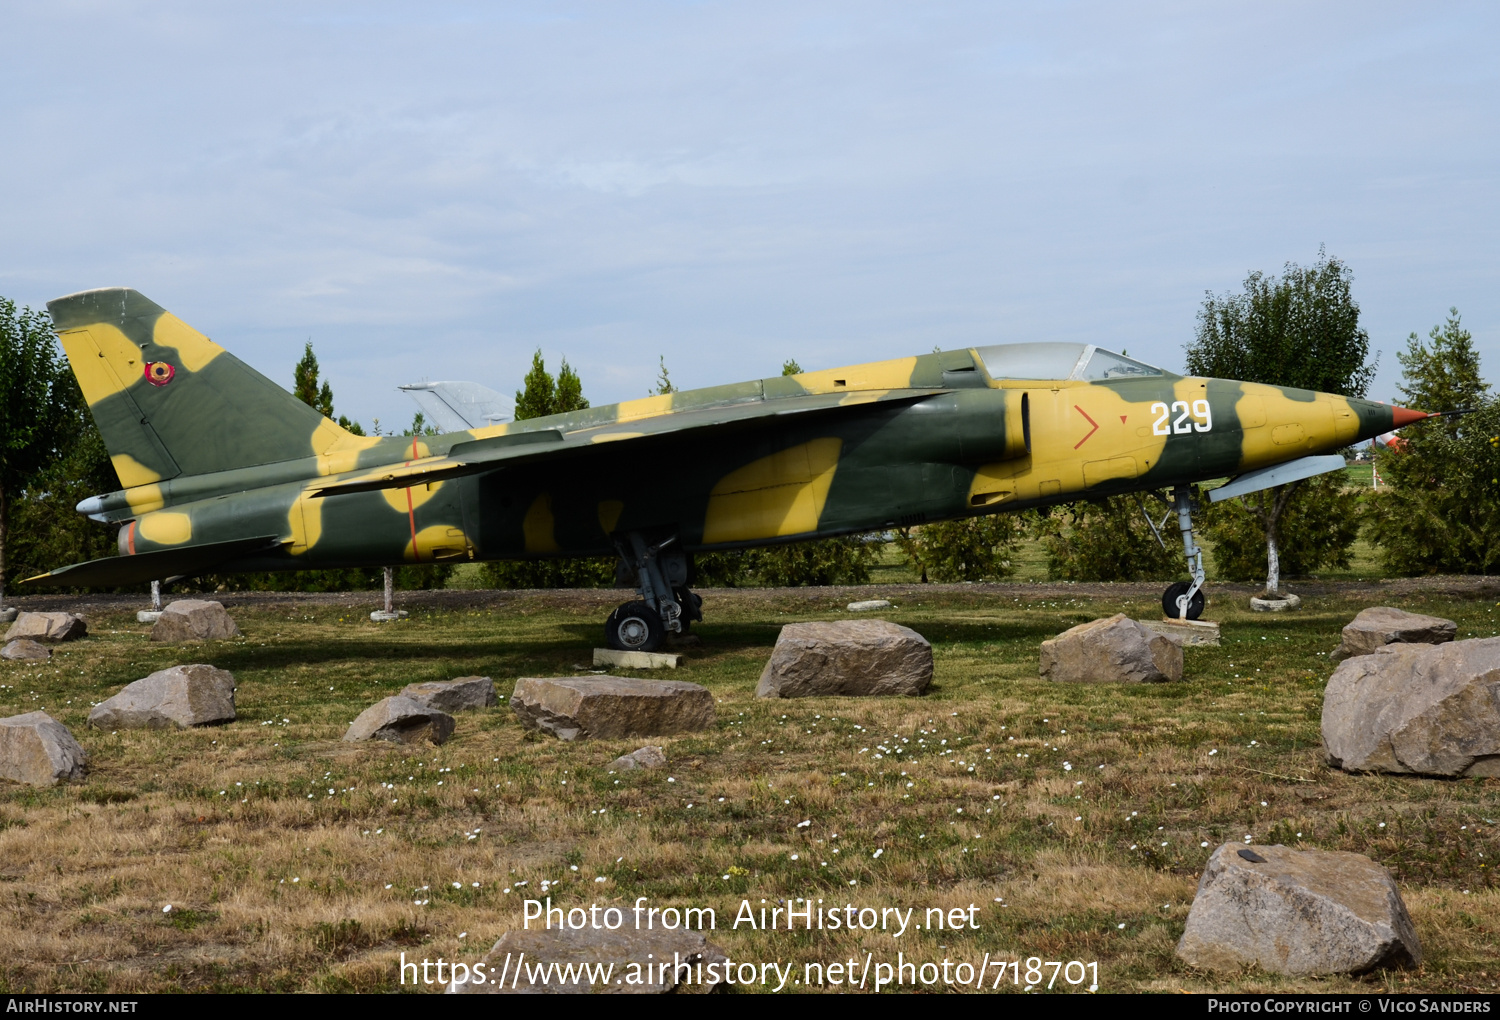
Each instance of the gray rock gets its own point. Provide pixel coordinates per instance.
(402, 721)
(611, 706)
(453, 695)
(25, 650)
(1379, 626)
(50, 627)
(631, 950)
(194, 620)
(846, 657)
(1116, 649)
(181, 696)
(38, 750)
(641, 758)
(1275, 604)
(9, 614)
(1300, 912)
(868, 604)
(1428, 709)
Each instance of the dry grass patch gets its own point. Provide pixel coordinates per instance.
(292, 861)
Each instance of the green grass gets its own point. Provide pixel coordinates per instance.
(274, 841)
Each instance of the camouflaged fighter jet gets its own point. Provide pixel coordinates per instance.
(225, 471)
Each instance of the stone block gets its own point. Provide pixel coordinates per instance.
(636, 660)
(611, 706)
(402, 721)
(1297, 912)
(194, 620)
(454, 695)
(38, 750)
(1426, 709)
(1379, 626)
(181, 696)
(1115, 649)
(1186, 633)
(641, 758)
(49, 627)
(25, 650)
(849, 658)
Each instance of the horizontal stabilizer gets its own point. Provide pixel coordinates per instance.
(481, 455)
(115, 571)
(1292, 471)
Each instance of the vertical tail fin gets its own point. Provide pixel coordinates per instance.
(169, 401)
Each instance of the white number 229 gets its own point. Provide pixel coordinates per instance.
(1202, 419)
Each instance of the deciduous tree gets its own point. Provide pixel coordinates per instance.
(1300, 330)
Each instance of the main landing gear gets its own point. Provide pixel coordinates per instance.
(1183, 600)
(666, 606)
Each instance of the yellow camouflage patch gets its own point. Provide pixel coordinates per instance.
(776, 496)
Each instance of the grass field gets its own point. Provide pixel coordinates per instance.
(1077, 818)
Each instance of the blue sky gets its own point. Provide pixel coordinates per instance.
(435, 190)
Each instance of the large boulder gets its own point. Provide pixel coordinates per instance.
(453, 695)
(846, 657)
(194, 620)
(402, 721)
(1115, 649)
(643, 961)
(38, 750)
(1379, 626)
(1299, 912)
(611, 706)
(182, 696)
(1428, 709)
(50, 627)
(25, 650)
(648, 757)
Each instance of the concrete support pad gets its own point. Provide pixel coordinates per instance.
(1280, 605)
(867, 605)
(9, 614)
(1184, 632)
(636, 660)
(148, 616)
(380, 616)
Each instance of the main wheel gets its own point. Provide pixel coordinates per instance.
(692, 607)
(634, 627)
(1171, 595)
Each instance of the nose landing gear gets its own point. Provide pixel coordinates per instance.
(1184, 600)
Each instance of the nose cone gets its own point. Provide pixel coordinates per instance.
(1405, 416)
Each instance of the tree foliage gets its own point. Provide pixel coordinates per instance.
(1300, 330)
(580, 572)
(542, 395)
(968, 549)
(1319, 523)
(43, 422)
(846, 559)
(319, 396)
(1107, 540)
(1439, 511)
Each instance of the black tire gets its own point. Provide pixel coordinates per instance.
(634, 627)
(692, 607)
(1171, 595)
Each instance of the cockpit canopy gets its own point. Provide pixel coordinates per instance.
(1060, 361)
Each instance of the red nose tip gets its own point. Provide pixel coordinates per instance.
(1405, 416)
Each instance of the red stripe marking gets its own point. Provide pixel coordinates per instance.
(1090, 421)
(411, 511)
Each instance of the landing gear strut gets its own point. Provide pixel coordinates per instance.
(1184, 600)
(665, 606)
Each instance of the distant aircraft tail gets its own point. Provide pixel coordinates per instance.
(169, 401)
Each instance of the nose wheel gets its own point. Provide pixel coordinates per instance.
(1169, 599)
